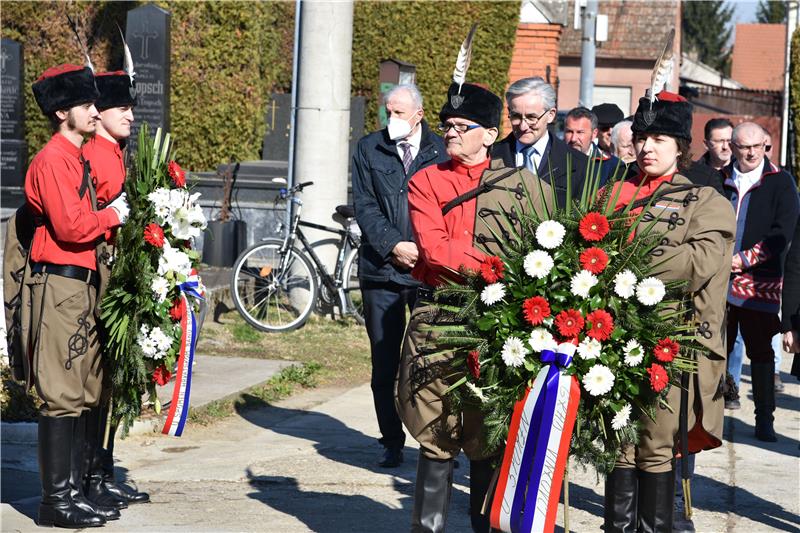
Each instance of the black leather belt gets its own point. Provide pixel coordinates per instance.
(67, 271)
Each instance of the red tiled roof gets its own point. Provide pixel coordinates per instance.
(759, 56)
(636, 30)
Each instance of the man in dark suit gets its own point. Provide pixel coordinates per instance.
(383, 163)
(531, 109)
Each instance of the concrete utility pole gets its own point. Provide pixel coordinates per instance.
(589, 18)
(323, 111)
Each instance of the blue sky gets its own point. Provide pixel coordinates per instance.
(745, 10)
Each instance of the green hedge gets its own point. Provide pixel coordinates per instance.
(227, 57)
(794, 101)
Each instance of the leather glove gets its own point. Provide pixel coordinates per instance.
(120, 205)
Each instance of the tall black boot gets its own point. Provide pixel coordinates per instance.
(431, 495)
(118, 489)
(619, 515)
(656, 501)
(57, 508)
(764, 398)
(480, 477)
(93, 488)
(77, 470)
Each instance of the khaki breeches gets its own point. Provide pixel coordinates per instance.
(66, 366)
(441, 430)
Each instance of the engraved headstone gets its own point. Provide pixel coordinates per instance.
(148, 35)
(13, 148)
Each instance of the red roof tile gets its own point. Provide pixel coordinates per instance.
(759, 56)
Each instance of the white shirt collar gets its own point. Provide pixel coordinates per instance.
(745, 180)
(414, 139)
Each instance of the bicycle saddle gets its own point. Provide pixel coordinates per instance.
(346, 211)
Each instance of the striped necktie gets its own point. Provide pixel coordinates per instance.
(530, 162)
(407, 157)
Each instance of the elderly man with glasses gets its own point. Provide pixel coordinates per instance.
(765, 200)
(531, 109)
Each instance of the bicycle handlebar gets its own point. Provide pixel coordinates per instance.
(297, 188)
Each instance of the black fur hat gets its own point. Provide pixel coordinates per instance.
(607, 115)
(116, 90)
(63, 87)
(671, 115)
(474, 103)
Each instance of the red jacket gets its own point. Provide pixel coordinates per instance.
(108, 167)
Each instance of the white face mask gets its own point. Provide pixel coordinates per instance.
(398, 128)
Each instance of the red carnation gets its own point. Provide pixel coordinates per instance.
(658, 377)
(593, 227)
(177, 174)
(161, 375)
(492, 269)
(569, 323)
(535, 310)
(176, 311)
(594, 260)
(474, 364)
(599, 325)
(666, 350)
(153, 234)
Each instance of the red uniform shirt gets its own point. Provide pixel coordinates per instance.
(108, 167)
(445, 242)
(51, 190)
(629, 187)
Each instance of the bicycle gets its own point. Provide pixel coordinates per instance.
(275, 286)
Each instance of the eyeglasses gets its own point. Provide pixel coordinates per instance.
(747, 148)
(459, 128)
(530, 120)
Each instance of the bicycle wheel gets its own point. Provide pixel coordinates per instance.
(352, 286)
(271, 292)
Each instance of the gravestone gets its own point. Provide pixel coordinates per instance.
(13, 148)
(148, 35)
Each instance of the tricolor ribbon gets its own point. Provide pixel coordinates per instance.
(527, 494)
(179, 406)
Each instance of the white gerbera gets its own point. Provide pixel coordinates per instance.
(491, 294)
(160, 288)
(650, 291)
(634, 353)
(550, 234)
(598, 380)
(160, 199)
(582, 282)
(514, 351)
(589, 348)
(622, 417)
(538, 264)
(541, 339)
(476, 391)
(625, 284)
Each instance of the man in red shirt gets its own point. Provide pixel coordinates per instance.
(105, 153)
(59, 327)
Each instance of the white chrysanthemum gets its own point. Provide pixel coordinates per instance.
(622, 417)
(514, 351)
(144, 330)
(174, 260)
(589, 348)
(634, 353)
(538, 264)
(160, 199)
(491, 294)
(598, 380)
(650, 291)
(582, 282)
(148, 346)
(160, 288)
(625, 284)
(550, 234)
(476, 391)
(541, 339)
(162, 340)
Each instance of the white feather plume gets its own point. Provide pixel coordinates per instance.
(464, 58)
(80, 42)
(128, 63)
(662, 71)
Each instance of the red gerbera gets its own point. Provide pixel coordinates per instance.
(161, 375)
(593, 226)
(599, 325)
(492, 269)
(474, 363)
(595, 260)
(535, 310)
(177, 174)
(666, 350)
(153, 234)
(176, 311)
(569, 323)
(658, 377)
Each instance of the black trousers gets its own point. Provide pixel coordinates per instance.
(385, 307)
(757, 328)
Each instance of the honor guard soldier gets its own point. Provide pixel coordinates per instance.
(59, 327)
